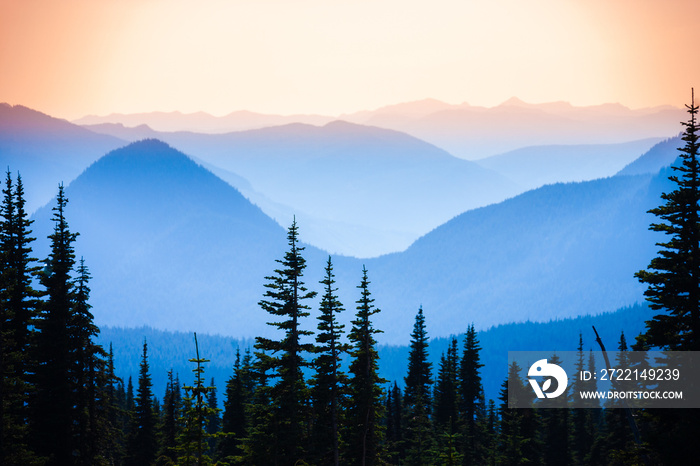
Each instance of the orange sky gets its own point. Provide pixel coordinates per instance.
(74, 57)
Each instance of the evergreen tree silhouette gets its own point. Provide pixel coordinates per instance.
(673, 287)
(417, 399)
(54, 414)
(471, 395)
(328, 385)
(18, 309)
(142, 447)
(673, 277)
(364, 433)
(193, 441)
(288, 416)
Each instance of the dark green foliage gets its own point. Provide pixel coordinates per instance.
(289, 411)
(142, 446)
(198, 412)
(673, 277)
(18, 305)
(328, 386)
(91, 377)
(113, 405)
(364, 433)
(416, 399)
(54, 415)
(234, 422)
(394, 425)
(471, 394)
(213, 418)
(169, 426)
(445, 394)
(519, 429)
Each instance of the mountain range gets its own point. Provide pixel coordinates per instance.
(463, 130)
(532, 167)
(173, 246)
(46, 150)
(360, 190)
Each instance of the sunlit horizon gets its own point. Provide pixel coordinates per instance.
(80, 57)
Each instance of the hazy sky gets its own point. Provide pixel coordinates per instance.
(74, 57)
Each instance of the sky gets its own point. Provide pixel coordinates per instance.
(77, 57)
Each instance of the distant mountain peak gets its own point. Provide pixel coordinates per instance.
(514, 102)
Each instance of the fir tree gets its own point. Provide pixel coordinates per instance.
(234, 422)
(289, 407)
(328, 384)
(18, 307)
(673, 277)
(54, 415)
(471, 394)
(364, 433)
(510, 441)
(114, 398)
(417, 398)
(142, 446)
(213, 418)
(394, 425)
(169, 428)
(445, 393)
(89, 374)
(193, 440)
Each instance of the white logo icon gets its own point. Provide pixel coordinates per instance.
(543, 369)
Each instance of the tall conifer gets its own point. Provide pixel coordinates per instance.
(284, 359)
(417, 399)
(364, 432)
(142, 446)
(329, 382)
(54, 415)
(471, 395)
(18, 307)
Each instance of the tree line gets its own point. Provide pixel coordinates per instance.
(291, 400)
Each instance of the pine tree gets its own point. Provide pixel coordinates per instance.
(394, 425)
(170, 421)
(510, 439)
(54, 415)
(364, 433)
(416, 399)
(491, 436)
(673, 277)
(213, 418)
(89, 374)
(18, 307)
(445, 393)
(234, 422)
(114, 398)
(329, 382)
(471, 394)
(142, 446)
(289, 409)
(193, 440)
